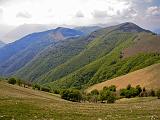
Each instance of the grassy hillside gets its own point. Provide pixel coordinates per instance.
(23, 103)
(144, 43)
(82, 76)
(131, 51)
(147, 77)
(58, 61)
(54, 55)
(51, 57)
(103, 43)
(96, 49)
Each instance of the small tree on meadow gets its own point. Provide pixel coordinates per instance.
(12, 81)
(152, 93)
(19, 82)
(138, 87)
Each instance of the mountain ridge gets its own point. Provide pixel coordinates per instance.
(28, 47)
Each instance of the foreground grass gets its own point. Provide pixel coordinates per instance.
(22, 103)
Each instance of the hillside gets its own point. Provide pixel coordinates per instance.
(112, 63)
(79, 62)
(51, 57)
(27, 104)
(63, 51)
(147, 77)
(17, 54)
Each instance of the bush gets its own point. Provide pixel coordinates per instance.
(56, 91)
(111, 98)
(144, 93)
(107, 95)
(152, 93)
(12, 81)
(130, 91)
(110, 88)
(138, 87)
(71, 95)
(158, 94)
(36, 87)
(45, 89)
(19, 82)
(95, 92)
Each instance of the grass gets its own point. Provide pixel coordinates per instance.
(21, 103)
(147, 77)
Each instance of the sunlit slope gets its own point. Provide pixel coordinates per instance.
(147, 77)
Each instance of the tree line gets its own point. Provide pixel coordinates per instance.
(107, 94)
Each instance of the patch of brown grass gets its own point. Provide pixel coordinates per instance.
(148, 77)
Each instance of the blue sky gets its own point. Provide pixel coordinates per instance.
(145, 13)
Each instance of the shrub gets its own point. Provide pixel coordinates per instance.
(138, 87)
(56, 91)
(107, 95)
(12, 81)
(95, 92)
(36, 87)
(130, 91)
(152, 93)
(144, 93)
(110, 88)
(19, 82)
(45, 89)
(111, 98)
(71, 95)
(129, 87)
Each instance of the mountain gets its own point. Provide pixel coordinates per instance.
(147, 77)
(51, 57)
(103, 45)
(105, 57)
(4, 29)
(88, 29)
(79, 62)
(17, 54)
(2, 44)
(24, 30)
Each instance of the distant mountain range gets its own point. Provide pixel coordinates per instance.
(16, 33)
(88, 29)
(15, 55)
(78, 58)
(1, 44)
(24, 30)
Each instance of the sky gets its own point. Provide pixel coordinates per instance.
(145, 13)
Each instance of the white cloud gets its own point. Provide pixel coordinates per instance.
(99, 14)
(76, 12)
(23, 15)
(154, 10)
(79, 14)
(60, 11)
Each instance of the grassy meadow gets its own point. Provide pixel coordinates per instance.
(18, 103)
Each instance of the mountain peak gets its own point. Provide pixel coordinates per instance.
(131, 27)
